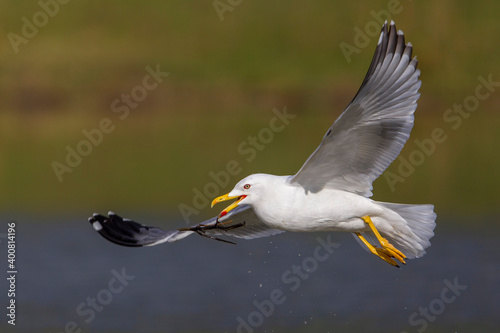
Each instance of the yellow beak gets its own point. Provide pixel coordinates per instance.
(225, 197)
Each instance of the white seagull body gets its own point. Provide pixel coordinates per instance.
(284, 206)
(331, 191)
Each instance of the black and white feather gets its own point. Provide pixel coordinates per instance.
(241, 222)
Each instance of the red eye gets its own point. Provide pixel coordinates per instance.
(246, 187)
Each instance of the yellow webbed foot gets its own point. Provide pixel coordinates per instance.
(379, 252)
(387, 250)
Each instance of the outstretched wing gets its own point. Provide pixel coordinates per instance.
(241, 222)
(373, 129)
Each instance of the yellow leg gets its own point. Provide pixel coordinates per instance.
(381, 253)
(387, 248)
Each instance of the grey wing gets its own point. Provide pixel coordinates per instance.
(373, 129)
(241, 222)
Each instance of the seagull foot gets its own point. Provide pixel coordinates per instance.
(387, 250)
(386, 256)
(395, 253)
(383, 253)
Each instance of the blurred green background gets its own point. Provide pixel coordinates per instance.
(225, 77)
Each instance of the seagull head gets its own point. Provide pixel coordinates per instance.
(247, 191)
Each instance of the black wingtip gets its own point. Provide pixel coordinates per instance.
(115, 230)
(129, 233)
(391, 41)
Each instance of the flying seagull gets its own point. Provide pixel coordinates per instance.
(332, 190)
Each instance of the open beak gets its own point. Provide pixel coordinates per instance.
(226, 197)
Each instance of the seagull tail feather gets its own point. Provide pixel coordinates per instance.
(420, 220)
(408, 227)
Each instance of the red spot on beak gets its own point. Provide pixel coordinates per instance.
(222, 213)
